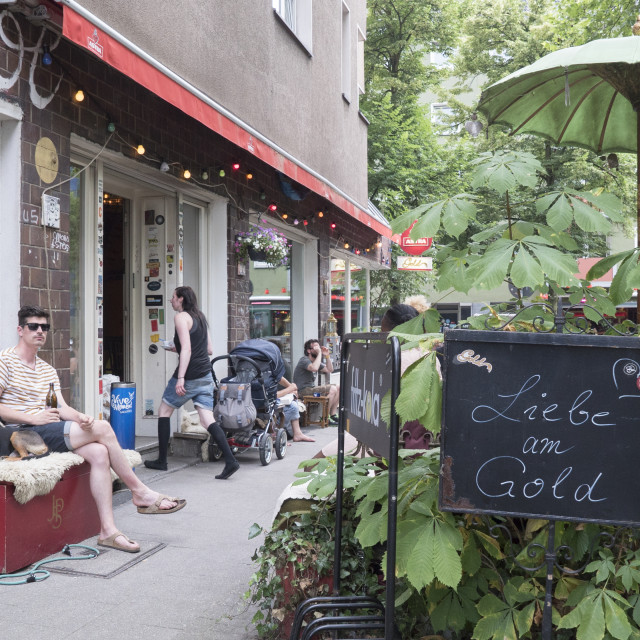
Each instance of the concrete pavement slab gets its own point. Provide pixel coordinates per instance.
(192, 588)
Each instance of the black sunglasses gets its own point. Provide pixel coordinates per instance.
(33, 326)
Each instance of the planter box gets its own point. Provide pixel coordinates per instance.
(313, 586)
(44, 525)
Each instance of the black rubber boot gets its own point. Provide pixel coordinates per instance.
(164, 432)
(230, 463)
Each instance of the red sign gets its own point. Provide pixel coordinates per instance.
(414, 247)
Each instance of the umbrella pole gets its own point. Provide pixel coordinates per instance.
(638, 201)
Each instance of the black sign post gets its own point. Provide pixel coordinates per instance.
(541, 426)
(369, 368)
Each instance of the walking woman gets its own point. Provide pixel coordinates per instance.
(192, 380)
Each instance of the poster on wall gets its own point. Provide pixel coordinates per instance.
(99, 287)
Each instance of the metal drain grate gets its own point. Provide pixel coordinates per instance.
(108, 564)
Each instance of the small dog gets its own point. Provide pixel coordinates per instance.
(25, 443)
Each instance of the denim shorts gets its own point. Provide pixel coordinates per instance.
(55, 435)
(199, 390)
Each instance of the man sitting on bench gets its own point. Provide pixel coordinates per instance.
(24, 382)
(305, 373)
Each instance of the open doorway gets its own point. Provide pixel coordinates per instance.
(114, 275)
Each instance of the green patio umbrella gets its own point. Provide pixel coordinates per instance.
(586, 96)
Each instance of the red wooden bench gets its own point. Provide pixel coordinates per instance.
(45, 524)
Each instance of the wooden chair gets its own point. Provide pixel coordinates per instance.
(310, 401)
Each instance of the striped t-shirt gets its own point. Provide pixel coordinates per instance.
(22, 388)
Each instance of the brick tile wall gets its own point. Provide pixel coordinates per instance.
(167, 133)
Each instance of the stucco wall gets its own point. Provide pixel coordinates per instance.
(243, 57)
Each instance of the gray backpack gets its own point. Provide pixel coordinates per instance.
(234, 410)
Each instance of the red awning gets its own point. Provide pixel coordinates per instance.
(175, 91)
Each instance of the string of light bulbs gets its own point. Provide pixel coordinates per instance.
(206, 173)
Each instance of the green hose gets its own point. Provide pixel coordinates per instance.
(35, 574)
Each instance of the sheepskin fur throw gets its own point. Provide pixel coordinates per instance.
(38, 476)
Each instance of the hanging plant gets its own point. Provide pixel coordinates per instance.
(264, 244)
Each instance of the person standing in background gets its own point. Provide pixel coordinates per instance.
(192, 380)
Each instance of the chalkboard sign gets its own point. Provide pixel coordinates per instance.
(366, 379)
(541, 425)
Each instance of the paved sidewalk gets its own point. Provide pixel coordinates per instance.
(189, 589)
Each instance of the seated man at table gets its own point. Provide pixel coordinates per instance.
(316, 359)
(290, 411)
(24, 383)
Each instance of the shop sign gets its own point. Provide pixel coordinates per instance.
(414, 247)
(415, 263)
(337, 264)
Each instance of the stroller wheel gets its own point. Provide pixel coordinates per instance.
(265, 448)
(281, 443)
(215, 453)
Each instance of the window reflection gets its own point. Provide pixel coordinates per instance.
(270, 306)
(357, 291)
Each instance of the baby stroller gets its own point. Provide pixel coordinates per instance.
(256, 367)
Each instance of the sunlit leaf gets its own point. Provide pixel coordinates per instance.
(526, 271)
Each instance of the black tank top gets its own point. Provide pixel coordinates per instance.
(199, 364)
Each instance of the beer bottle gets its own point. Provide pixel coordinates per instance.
(52, 399)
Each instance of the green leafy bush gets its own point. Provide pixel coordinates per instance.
(295, 560)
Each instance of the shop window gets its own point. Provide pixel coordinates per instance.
(271, 306)
(357, 297)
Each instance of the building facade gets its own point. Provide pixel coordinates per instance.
(138, 139)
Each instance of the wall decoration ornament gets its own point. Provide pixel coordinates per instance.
(46, 160)
(39, 101)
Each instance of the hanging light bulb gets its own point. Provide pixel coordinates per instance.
(235, 166)
(140, 150)
(204, 175)
(221, 172)
(296, 221)
(111, 127)
(186, 174)
(285, 216)
(473, 126)
(273, 206)
(78, 96)
(249, 175)
(320, 214)
(333, 225)
(346, 245)
(46, 55)
(164, 166)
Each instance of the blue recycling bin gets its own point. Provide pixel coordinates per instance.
(123, 413)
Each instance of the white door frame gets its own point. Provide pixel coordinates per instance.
(134, 182)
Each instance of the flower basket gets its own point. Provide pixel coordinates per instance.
(264, 244)
(257, 254)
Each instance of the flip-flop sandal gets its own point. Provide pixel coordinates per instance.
(111, 543)
(155, 507)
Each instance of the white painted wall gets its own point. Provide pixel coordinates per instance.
(10, 215)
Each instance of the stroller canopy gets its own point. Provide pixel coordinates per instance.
(262, 351)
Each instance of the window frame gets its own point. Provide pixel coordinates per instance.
(296, 17)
